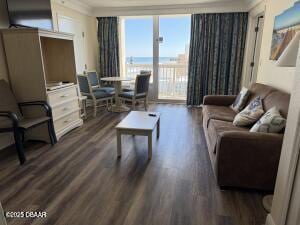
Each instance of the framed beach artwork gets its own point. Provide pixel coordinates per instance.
(286, 26)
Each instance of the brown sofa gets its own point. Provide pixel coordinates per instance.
(240, 158)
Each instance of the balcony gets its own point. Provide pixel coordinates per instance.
(172, 79)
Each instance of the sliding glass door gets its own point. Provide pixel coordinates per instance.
(159, 44)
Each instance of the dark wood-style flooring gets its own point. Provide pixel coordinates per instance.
(79, 181)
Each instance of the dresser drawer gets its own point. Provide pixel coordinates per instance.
(66, 108)
(56, 97)
(66, 121)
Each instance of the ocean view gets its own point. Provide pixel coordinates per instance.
(149, 60)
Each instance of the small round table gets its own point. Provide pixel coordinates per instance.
(117, 81)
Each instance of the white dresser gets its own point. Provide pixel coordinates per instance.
(36, 57)
(65, 109)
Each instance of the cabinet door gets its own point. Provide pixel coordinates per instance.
(72, 26)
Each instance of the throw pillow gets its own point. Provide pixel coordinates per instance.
(250, 114)
(270, 122)
(241, 100)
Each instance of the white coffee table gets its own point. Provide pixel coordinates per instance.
(138, 123)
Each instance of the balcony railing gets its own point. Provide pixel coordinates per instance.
(172, 79)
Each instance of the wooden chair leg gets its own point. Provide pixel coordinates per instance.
(146, 104)
(95, 109)
(19, 146)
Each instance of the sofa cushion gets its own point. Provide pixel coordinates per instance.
(224, 113)
(279, 99)
(260, 90)
(217, 127)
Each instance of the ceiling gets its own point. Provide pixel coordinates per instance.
(137, 3)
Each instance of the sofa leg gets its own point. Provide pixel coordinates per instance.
(19, 146)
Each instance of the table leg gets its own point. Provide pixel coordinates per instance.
(119, 143)
(158, 128)
(118, 107)
(117, 91)
(149, 145)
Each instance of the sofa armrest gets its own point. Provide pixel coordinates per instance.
(219, 100)
(249, 160)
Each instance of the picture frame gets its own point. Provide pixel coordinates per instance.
(286, 26)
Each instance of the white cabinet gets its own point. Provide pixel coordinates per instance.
(35, 57)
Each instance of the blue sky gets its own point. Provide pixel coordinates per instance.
(139, 36)
(289, 17)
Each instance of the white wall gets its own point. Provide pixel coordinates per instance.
(256, 11)
(287, 80)
(89, 25)
(268, 72)
(288, 164)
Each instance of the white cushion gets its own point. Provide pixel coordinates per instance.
(240, 100)
(250, 114)
(270, 122)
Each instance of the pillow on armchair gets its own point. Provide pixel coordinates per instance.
(250, 114)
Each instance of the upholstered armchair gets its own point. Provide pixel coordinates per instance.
(13, 120)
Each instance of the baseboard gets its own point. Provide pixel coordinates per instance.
(270, 220)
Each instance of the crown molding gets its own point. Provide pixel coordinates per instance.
(76, 5)
(232, 6)
(216, 7)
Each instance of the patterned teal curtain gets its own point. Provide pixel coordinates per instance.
(216, 55)
(108, 38)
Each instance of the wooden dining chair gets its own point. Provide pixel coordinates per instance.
(143, 72)
(140, 92)
(94, 96)
(95, 83)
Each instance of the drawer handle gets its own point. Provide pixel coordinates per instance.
(65, 95)
(67, 121)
